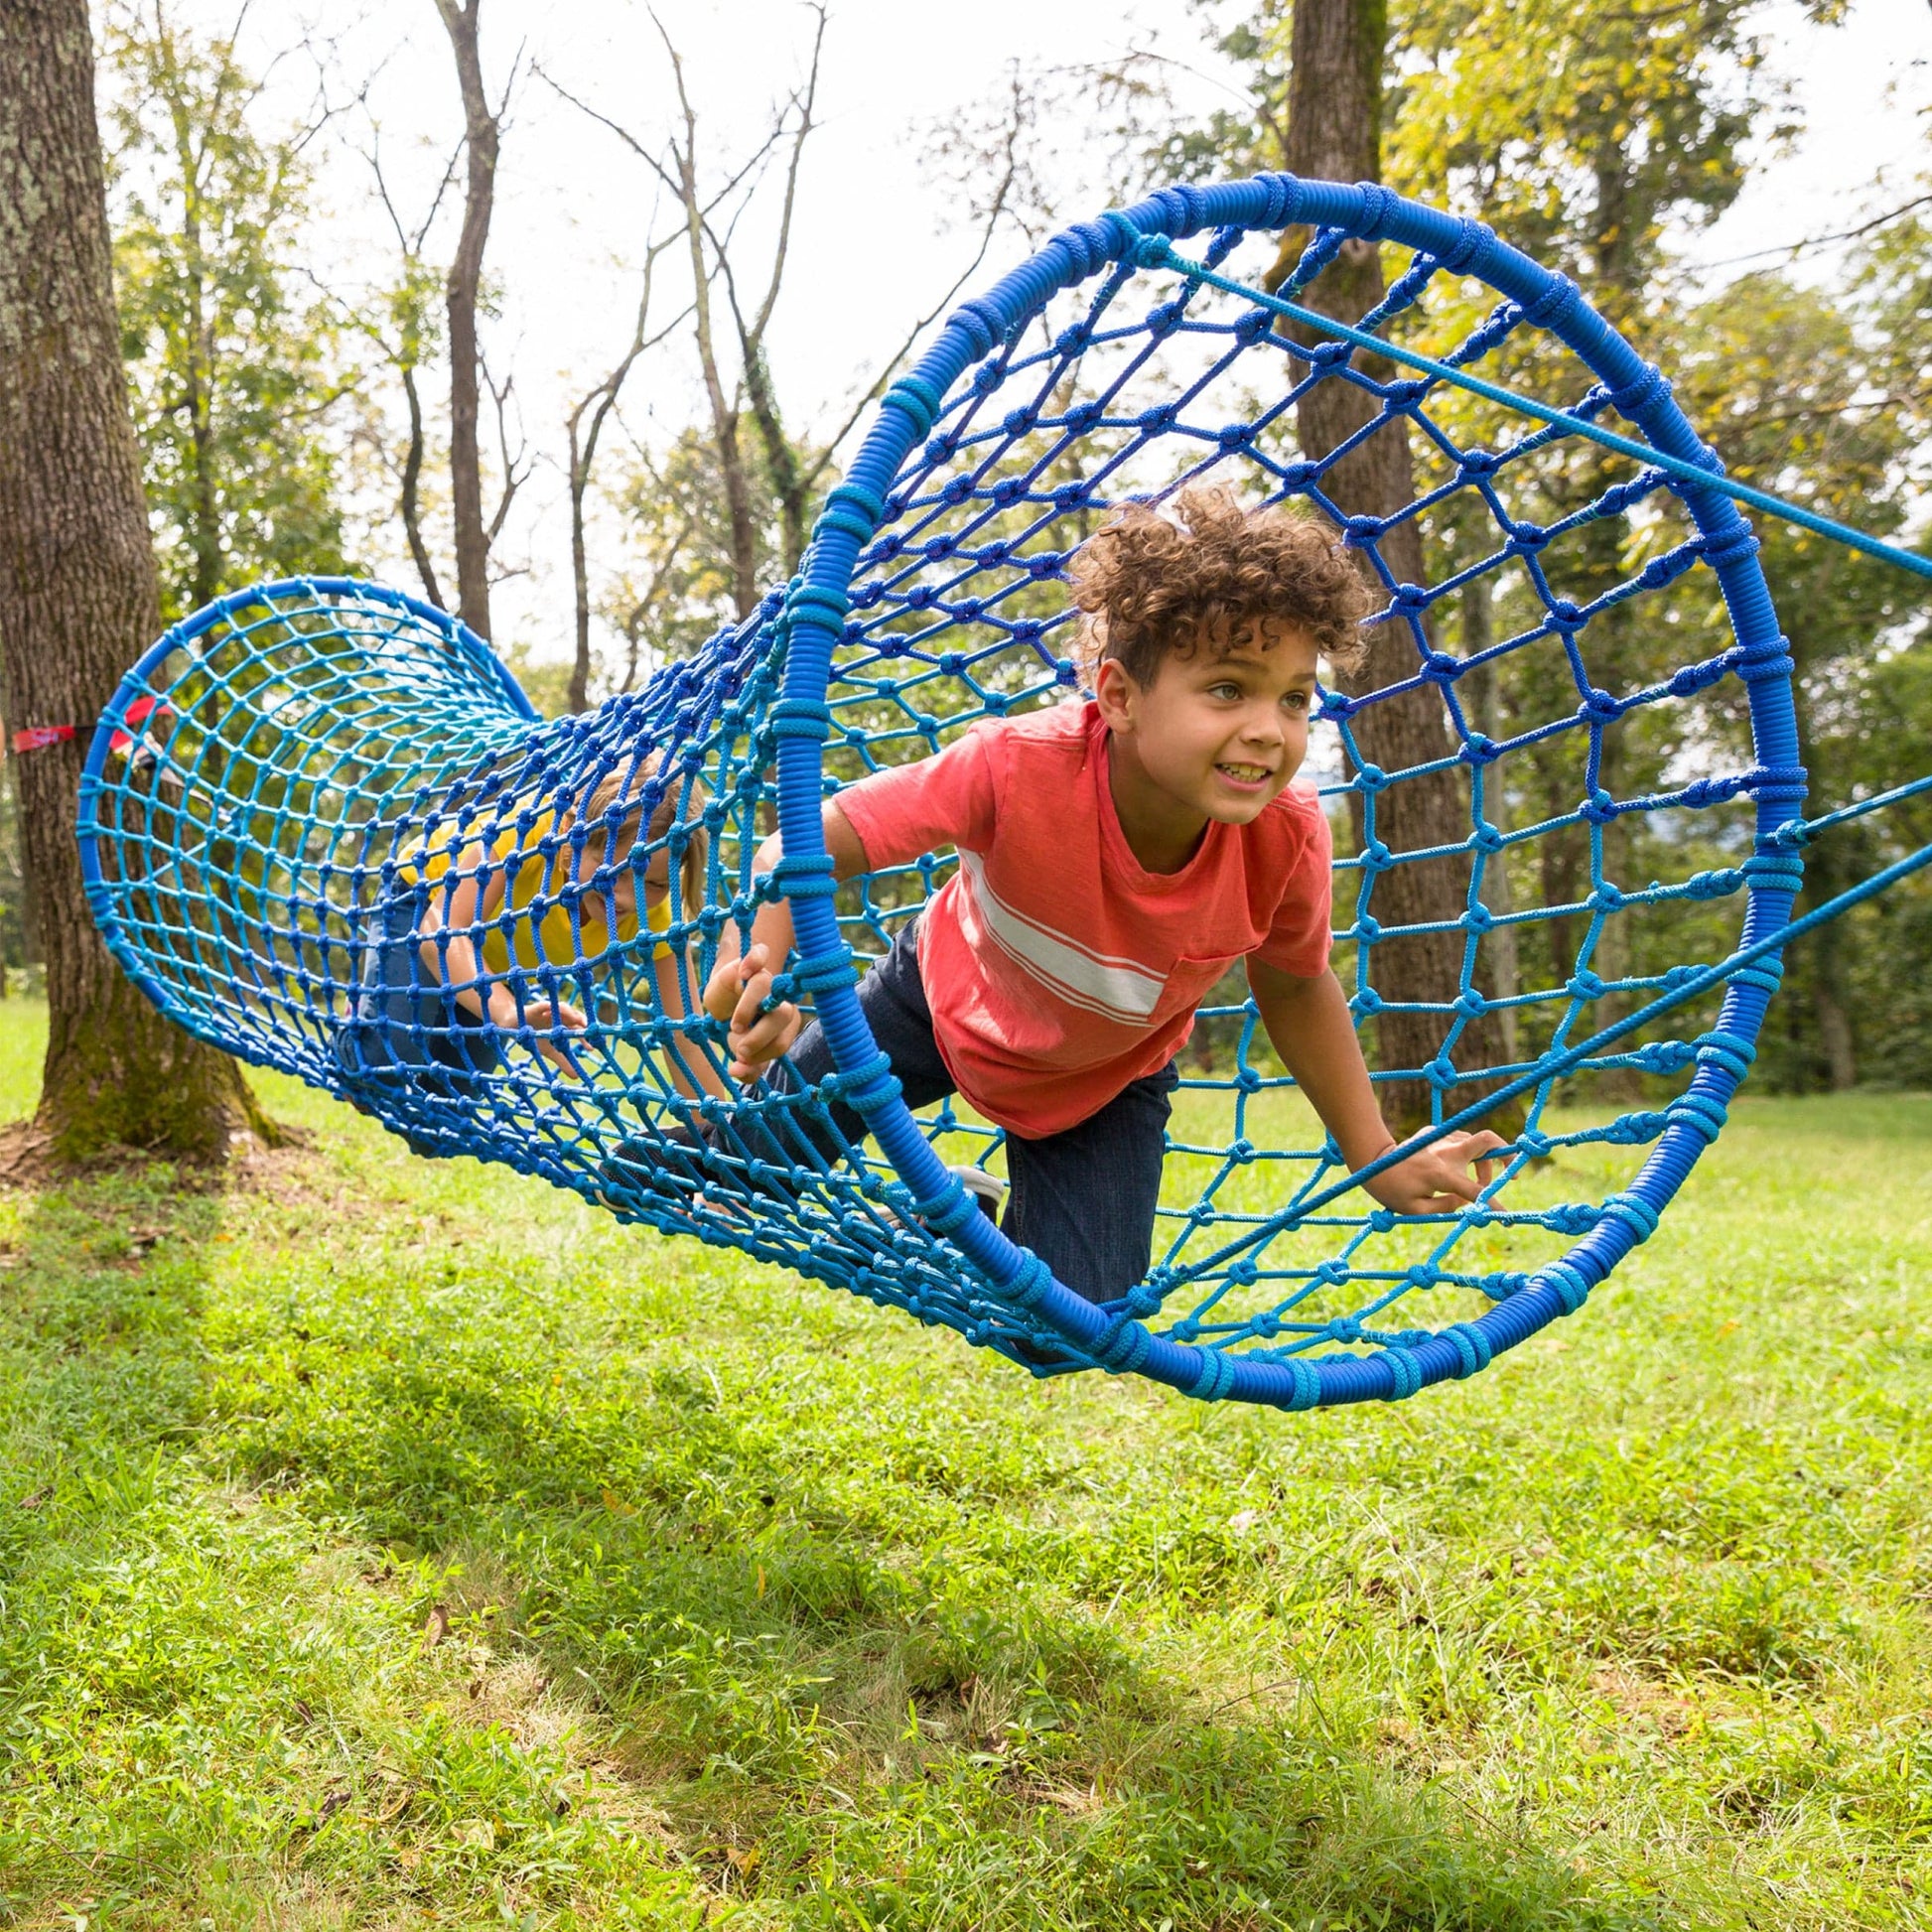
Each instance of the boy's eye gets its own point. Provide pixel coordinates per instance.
(1296, 700)
(1225, 690)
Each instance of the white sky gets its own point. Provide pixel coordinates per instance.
(876, 242)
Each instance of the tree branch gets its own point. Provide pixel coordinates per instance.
(513, 479)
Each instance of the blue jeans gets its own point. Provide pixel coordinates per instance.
(1083, 1200)
(406, 1028)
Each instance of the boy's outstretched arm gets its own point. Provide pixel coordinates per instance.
(1310, 1024)
(739, 984)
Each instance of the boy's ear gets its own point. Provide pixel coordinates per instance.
(1116, 693)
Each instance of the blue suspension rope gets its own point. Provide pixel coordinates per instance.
(1707, 980)
(1157, 252)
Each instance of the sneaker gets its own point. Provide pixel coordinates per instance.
(986, 1189)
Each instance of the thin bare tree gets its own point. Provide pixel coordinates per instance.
(585, 427)
(795, 470)
(405, 343)
(481, 141)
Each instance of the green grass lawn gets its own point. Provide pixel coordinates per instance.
(391, 1544)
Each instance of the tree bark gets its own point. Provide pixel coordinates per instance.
(480, 140)
(1826, 875)
(780, 458)
(1334, 134)
(1502, 978)
(723, 411)
(412, 477)
(585, 425)
(80, 598)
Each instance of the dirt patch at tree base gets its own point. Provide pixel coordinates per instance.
(28, 1160)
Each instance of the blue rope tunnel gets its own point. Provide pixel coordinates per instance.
(275, 801)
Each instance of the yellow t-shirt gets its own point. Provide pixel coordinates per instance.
(538, 936)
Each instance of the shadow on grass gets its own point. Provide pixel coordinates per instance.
(847, 1718)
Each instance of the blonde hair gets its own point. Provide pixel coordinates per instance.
(626, 782)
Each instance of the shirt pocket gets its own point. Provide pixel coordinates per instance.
(1195, 978)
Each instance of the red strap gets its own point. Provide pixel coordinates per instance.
(141, 712)
(36, 737)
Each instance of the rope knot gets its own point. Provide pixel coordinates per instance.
(1030, 1283)
(1216, 1376)
(1405, 1374)
(1567, 1284)
(1305, 1385)
(805, 875)
(918, 400)
(1633, 1212)
(1472, 1348)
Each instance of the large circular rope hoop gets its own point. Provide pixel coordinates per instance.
(819, 607)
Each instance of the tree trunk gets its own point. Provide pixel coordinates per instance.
(412, 477)
(780, 458)
(1834, 1022)
(480, 137)
(1826, 875)
(1831, 995)
(580, 576)
(1503, 977)
(78, 595)
(1334, 134)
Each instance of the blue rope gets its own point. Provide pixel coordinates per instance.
(1709, 475)
(287, 790)
(1555, 1065)
(1802, 832)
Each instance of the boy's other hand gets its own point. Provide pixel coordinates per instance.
(1436, 1178)
(736, 990)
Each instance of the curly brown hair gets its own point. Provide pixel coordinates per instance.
(1152, 585)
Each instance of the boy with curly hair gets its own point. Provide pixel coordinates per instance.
(1115, 857)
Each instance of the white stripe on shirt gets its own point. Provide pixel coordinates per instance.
(1122, 990)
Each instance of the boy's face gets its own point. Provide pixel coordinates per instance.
(1218, 737)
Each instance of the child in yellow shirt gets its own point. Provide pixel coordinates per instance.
(489, 936)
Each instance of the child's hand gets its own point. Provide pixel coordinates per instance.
(1436, 1178)
(738, 988)
(542, 1017)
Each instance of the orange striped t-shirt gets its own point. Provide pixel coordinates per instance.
(1057, 968)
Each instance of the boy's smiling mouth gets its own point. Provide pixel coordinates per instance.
(1246, 774)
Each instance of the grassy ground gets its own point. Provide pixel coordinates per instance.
(387, 1544)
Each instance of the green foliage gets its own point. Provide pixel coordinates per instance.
(392, 1543)
(234, 371)
(1582, 133)
(1801, 395)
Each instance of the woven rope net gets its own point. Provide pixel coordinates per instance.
(1614, 733)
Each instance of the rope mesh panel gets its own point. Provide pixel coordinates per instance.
(1614, 702)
